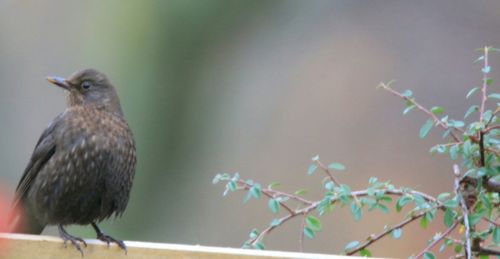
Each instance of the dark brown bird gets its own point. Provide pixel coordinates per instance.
(82, 168)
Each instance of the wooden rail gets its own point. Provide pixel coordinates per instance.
(18, 246)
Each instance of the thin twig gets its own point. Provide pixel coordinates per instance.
(329, 173)
(361, 193)
(372, 239)
(465, 212)
(492, 116)
(271, 227)
(488, 251)
(487, 130)
(268, 193)
(437, 240)
(484, 97)
(491, 221)
(301, 237)
(437, 121)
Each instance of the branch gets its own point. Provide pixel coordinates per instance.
(488, 251)
(329, 173)
(483, 88)
(362, 193)
(437, 240)
(301, 238)
(437, 121)
(465, 212)
(271, 227)
(491, 221)
(372, 239)
(487, 130)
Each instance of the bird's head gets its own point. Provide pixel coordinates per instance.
(89, 87)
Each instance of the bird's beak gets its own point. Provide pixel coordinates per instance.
(59, 81)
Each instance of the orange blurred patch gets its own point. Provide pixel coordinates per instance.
(5, 215)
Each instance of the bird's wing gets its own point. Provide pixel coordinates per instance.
(44, 150)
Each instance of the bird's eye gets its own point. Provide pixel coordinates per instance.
(86, 85)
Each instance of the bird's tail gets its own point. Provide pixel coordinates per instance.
(23, 220)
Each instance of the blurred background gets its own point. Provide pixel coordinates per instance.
(256, 87)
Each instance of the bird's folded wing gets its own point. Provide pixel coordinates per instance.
(44, 150)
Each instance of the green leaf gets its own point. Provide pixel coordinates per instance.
(351, 246)
(313, 223)
(454, 151)
(309, 233)
(274, 205)
(424, 222)
(216, 179)
(396, 233)
(312, 168)
(402, 201)
(365, 252)
(367, 201)
(496, 235)
(494, 96)
(456, 124)
(429, 255)
(301, 191)
(231, 185)
(472, 109)
(475, 218)
(437, 110)
(385, 198)
(273, 184)
(419, 200)
(449, 217)
(471, 92)
(458, 248)
(260, 246)
(383, 208)
(424, 130)
(438, 148)
(408, 108)
(443, 196)
(275, 222)
(336, 166)
(330, 186)
(255, 191)
(489, 81)
(356, 211)
(451, 203)
(486, 201)
(479, 59)
(407, 93)
(254, 234)
(430, 215)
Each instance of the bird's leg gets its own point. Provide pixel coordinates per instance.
(74, 240)
(106, 238)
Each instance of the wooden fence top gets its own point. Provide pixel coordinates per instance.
(19, 246)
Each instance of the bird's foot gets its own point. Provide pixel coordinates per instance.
(74, 240)
(108, 239)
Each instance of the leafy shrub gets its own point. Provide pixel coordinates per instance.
(474, 146)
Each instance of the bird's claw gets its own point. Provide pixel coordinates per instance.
(109, 239)
(74, 241)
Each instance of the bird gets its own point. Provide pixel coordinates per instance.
(83, 165)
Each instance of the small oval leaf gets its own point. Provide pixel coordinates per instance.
(424, 130)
